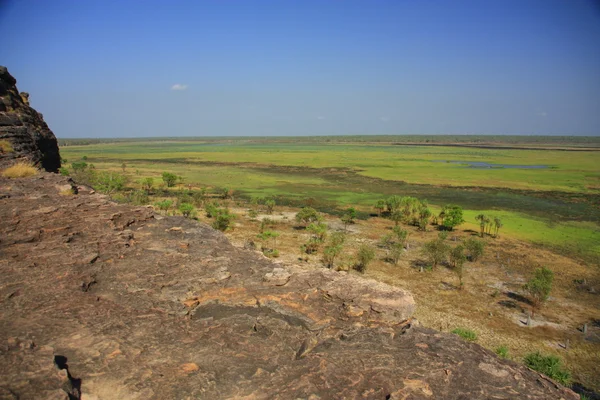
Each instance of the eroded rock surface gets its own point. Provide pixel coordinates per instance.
(24, 128)
(107, 301)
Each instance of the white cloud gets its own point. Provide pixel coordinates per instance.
(542, 114)
(179, 86)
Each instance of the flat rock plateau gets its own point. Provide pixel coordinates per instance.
(106, 301)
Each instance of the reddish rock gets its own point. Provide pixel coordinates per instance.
(152, 319)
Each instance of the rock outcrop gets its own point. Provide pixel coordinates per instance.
(24, 128)
(106, 301)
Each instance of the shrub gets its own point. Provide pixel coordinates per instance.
(223, 219)
(307, 215)
(333, 248)
(147, 184)
(109, 182)
(5, 146)
(164, 205)
(187, 209)
(539, 286)
(169, 179)
(269, 205)
(466, 334)
(502, 351)
(21, 169)
(139, 197)
(211, 210)
(474, 248)
(365, 255)
(548, 365)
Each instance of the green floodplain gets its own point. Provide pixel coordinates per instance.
(546, 190)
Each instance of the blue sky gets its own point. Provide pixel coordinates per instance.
(212, 68)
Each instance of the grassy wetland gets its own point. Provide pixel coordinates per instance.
(545, 192)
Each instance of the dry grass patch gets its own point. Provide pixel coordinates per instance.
(20, 170)
(5, 146)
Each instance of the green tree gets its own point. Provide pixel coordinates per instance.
(349, 217)
(380, 206)
(395, 252)
(483, 220)
(333, 248)
(424, 214)
(307, 215)
(169, 179)
(452, 216)
(365, 255)
(497, 226)
(435, 251)
(539, 287)
(392, 203)
(458, 259)
(475, 248)
(396, 216)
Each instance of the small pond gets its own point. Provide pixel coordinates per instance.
(480, 164)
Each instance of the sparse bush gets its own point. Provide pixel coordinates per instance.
(252, 214)
(211, 209)
(223, 219)
(548, 365)
(333, 248)
(502, 351)
(349, 217)
(147, 184)
(139, 197)
(539, 286)
(395, 252)
(6, 146)
(164, 205)
(466, 334)
(270, 206)
(187, 209)
(365, 255)
(109, 182)
(458, 258)
(21, 169)
(474, 248)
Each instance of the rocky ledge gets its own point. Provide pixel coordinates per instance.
(24, 128)
(106, 301)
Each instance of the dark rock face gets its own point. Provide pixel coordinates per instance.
(107, 301)
(24, 127)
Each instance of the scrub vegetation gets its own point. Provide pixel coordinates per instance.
(512, 253)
